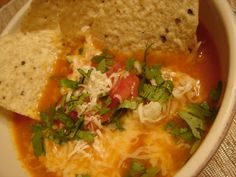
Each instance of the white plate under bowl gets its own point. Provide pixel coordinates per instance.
(218, 19)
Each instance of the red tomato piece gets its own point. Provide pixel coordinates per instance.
(115, 68)
(125, 88)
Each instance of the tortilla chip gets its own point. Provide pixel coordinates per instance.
(26, 62)
(121, 25)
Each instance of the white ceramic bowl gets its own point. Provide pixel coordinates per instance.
(218, 19)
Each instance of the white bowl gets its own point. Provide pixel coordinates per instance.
(218, 19)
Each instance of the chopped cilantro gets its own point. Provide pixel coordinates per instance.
(194, 115)
(64, 118)
(69, 83)
(102, 66)
(85, 76)
(154, 72)
(102, 110)
(116, 118)
(177, 131)
(216, 92)
(86, 136)
(102, 56)
(154, 93)
(128, 104)
(129, 64)
(138, 169)
(58, 136)
(46, 119)
(37, 140)
(71, 104)
(148, 47)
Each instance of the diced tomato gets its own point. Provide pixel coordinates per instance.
(125, 88)
(115, 68)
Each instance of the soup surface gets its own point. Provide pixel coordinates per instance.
(152, 137)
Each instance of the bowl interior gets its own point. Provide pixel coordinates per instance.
(218, 20)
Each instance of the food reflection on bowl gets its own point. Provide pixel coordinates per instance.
(144, 134)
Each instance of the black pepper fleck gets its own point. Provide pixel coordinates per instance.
(177, 21)
(190, 12)
(105, 35)
(3, 97)
(163, 38)
(34, 68)
(22, 93)
(22, 63)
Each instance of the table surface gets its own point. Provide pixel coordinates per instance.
(222, 164)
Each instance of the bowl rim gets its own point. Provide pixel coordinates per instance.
(228, 107)
(227, 110)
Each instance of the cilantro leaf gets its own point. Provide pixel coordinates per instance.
(37, 140)
(128, 104)
(85, 76)
(85, 135)
(102, 110)
(129, 64)
(69, 83)
(46, 119)
(64, 118)
(194, 115)
(154, 72)
(154, 93)
(176, 131)
(148, 47)
(136, 168)
(102, 56)
(102, 66)
(71, 104)
(216, 92)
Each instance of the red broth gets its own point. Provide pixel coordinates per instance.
(204, 67)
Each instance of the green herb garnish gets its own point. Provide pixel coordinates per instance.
(129, 64)
(102, 110)
(194, 115)
(155, 93)
(102, 66)
(85, 76)
(85, 135)
(37, 140)
(128, 104)
(177, 131)
(138, 169)
(69, 83)
(102, 56)
(216, 92)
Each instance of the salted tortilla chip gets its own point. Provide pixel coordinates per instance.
(122, 25)
(26, 62)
